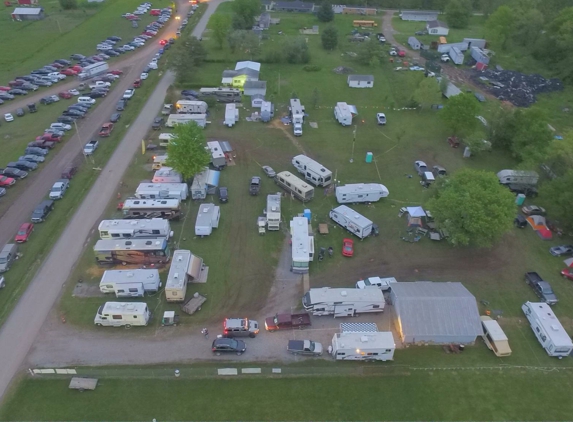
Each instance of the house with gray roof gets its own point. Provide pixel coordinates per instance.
(414, 43)
(360, 81)
(228, 75)
(294, 6)
(437, 28)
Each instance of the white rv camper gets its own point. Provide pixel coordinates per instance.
(314, 172)
(162, 190)
(207, 219)
(355, 223)
(181, 119)
(376, 282)
(302, 245)
(360, 192)
(344, 113)
(166, 175)
(218, 158)
(152, 208)
(297, 116)
(130, 283)
(158, 161)
(547, 328)
(119, 314)
(191, 107)
(231, 114)
(185, 267)
(273, 211)
(363, 346)
(343, 302)
(297, 187)
(134, 229)
(164, 139)
(267, 111)
(518, 177)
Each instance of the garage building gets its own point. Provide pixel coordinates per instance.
(437, 313)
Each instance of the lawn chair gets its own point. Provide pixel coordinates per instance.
(402, 211)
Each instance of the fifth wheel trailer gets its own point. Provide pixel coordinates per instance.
(132, 251)
(181, 119)
(361, 192)
(379, 345)
(344, 113)
(343, 302)
(185, 267)
(162, 191)
(132, 229)
(129, 283)
(355, 223)
(207, 219)
(191, 107)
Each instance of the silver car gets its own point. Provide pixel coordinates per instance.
(32, 158)
(269, 171)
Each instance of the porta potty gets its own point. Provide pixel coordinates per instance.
(520, 199)
(369, 157)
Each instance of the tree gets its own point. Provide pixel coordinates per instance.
(329, 38)
(557, 44)
(527, 27)
(325, 12)
(444, 82)
(315, 98)
(69, 4)
(476, 142)
(559, 196)
(473, 208)
(367, 51)
(220, 25)
(459, 114)
(295, 50)
(183, 62)
(532, 136)
(244, 12)
(500, 26)
(502, 128)
(186, 151)
(559, 157)
(195, 49)
(246, 42)
(487, 7)
(428, 92)
(458, 13)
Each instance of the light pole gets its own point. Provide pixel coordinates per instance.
(353, 143)
(80, 140)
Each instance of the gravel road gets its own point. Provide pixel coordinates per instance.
(22, 327)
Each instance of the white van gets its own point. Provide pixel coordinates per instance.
(86, 100)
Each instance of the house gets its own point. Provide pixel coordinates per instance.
(255, 88)
(437, 28)
(264, 21)
(419, 15)
(257, 100)
(479, 55)
(360, 81)
(294, 6)
(414, 43)
(237, 78)
(28, 14)
(436, 313)
(358, 10)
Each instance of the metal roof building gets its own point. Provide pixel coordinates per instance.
(433, 312)
(28, 13)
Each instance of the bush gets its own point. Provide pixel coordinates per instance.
(312, 68)
(273, 56)
(69, 4)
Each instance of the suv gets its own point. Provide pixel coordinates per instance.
(8, 256)
(223, 194)
(240, 327)
(42, 211)
(157, 123)
(121, 105)
(255, 185)
(59, 189)
(228, 345)
(541, 288)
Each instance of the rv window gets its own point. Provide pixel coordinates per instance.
(562, 349)
(374, 354)
(133, 290)
(116, 317)
(109, 286)
(120, 291)
(341, 354)
(104, 234)
(135, 317)
(361, 196)
(115, 235)
(155, 232)
(375, 306)
(288, 184)
(388, 350)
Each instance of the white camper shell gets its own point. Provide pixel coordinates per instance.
(344, 113)
(207, 219)
(518, 177)
(130, 283)
(383, 284)
(355, 223)
(547, 328)
(494, 337)
(185, 267)
(134, 229)
(302, 245)
(314, 172)
(273, 211)
(360, 193)
(343, 302)
(231, 114)
(363, 346)
(167, 175)
(191, 107)
(161, 191)
(182, 119)
(119, 314)
(218, 158)
(297, 116)
(297, 187)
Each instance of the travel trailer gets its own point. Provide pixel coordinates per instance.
(135, 251)
(162, 191)
(164, 139)
(122, 314)
(218, 158)
(363, 346)
(355, 223)
(273, 211)
(205, 183)
(547, 328)
(231, 115)
(302, 245)
(191, 107)
(344, 113)
(314, 172)
(223, 95)
(167, 175)
(181, 119)
(134, 229)
(343, 302)
(518, 177)
(360, 193)
(185, 267)
(298, 188)
(207, 219)
(296, 115)
(152, 208)
(130, 283)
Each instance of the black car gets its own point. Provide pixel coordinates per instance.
(157, 123)
(74, 113)
(111, 53)
(97, 94)
(228, 345)
(115, 117)
(223, 194)
(114, 38)
(50, 68)
(14, 173)
(32, 107)
(63, 61)
(6, 96)
(22, 165)
(27, 78)
(78, 106)
(36, 151)
(190, 92)
(17, 92)
(121, 105)
(47, 100)
(42, 210)
(20, 112)
(65, 119)
(77, 57)
(40, 72)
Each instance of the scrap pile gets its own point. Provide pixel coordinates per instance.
(516, 87)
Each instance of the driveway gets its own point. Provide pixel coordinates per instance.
(22, 327)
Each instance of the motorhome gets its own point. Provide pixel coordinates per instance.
(218, 158)
(297, 187)
(343, 302)
(153, 251)
(363, 346)
(355, 223)
(152, 208)
(231, 115)
(164, 139)
(122, 314)
(158, 161)
(494, 337)
(181, 119)
(520, 177)
(273, 211)
(344, 113)
(134, 229)
(167, 175)
(267, 111)
(297, 116)
(162, 191)
(381, 283)
(191, 107)
(360, 193)
(185, 267)
(314, 172)
(223, 95)
(207, 219)
(547, 328)
(302, 243)
(205, 183)
(130, 283)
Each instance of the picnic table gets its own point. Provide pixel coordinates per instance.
(323, 228)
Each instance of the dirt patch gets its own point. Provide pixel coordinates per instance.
(87, 290)
(279, 125)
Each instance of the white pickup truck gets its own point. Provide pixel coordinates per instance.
(90, 147)
(99, 84)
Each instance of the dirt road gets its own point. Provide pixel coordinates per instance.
(24, 324)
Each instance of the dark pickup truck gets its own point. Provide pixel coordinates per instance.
(304, 347)
(287, 321)
(255, 185)
(541, 288)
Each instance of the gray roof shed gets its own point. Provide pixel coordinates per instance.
(363, 78)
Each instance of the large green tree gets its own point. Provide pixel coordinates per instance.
(458, 13)
(220, 26)
(244, 12)
(246, 42)
(186, 151)
(500, 26)
(187, 55)
(459, 114)
(325, 12)
(558, 197)
(473, 208)
(428, 92)
(295, 50)
(559, 156)
(329, 38)
(369, 52)
(532, 135)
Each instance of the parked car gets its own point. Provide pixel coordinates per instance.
(6, 96)
(287, 321)
(59, 189)
(115, 117)
(14, 173)
(6, 181)
(567, 273)
(527, 190)
(533, 210)
(420, 167)
(60, 126)
(106, 129)
(116, 72)
(121, 105)
(17, 92)
(74, 92)
(8, 117)
(157, 123)
(381, 118)
(65, 119)
(304, 347)
(255, 185)
(69, 172)
(97, 94)
(32, 158)
(561, 250)
(23, 165)
(2, 193)
(65, 94)
(24, 232)
(223, 194)
(144, 76)
(74, 113)
(541, 288)
(439, 171)
(42, 144)
(20, 112)
(42, 211)
(228, 345)
(52, 137)
(36, 151)
(137, 83)
(269, 171)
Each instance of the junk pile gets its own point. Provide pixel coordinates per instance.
(516, 87)
(341, 70)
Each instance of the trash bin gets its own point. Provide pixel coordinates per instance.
(520, 199)
(369, 157)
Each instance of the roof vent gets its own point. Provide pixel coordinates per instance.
(344, 293)
(364, 339)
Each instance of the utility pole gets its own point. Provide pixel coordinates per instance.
(353, 143)
(80, 140)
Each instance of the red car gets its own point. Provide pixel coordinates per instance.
(106, 129)
(347, 247)
(6, 181)
(24, 233)
(116, 72)
(66, 95)
(155, 12)
(163, 42)
(76, 68)
(149, 34)
(137, 83)
(50, 137)
(401, 53)
(68, 72)
(5, 88)
(567, 273)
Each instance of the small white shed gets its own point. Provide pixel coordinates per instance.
(360, 81)
(414, 43)
(257, 100)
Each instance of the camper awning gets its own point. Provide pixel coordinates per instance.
(213, 178)
(353, 109)
(416, 211)
(195, 266)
